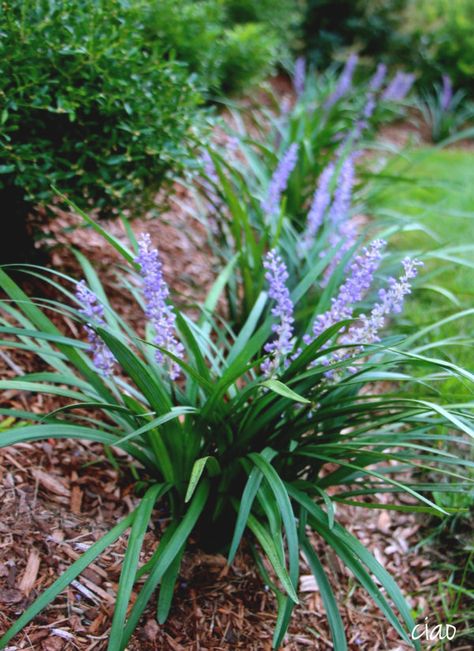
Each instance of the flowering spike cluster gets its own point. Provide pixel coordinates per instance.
(399, 87)
(319, 205)
(344, 83)
(363, 122)
(93, 312)
(279, 180)
(159, 313)
(447, 93)
(209, 167)
(278, 349)
(391, 302)
(352, 291)
(343, 193)
(378, 78)
(299, 77)
(346, 233)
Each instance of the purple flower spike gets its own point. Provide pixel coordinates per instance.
(363, 122)
(278, 350)
(447, 93)
(353, 290)
(299, 77)
(399, 87)
(319, 205)
(342, 196)
(391, 302)
(209, 167)
(279, 180)
(344, 83)
(347, 233)
(157, 310)
(378, 78)
(93, 312)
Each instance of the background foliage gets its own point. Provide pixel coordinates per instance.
(372, 26)
(86, 106)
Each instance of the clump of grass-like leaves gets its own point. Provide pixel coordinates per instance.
(255, 430)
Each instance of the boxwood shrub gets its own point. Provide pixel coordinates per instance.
(87, 105)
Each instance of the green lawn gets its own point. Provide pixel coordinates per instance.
(435, 188)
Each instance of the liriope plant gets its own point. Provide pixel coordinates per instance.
(293, 181)
(256, 432)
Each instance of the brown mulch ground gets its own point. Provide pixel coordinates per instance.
(58, 497)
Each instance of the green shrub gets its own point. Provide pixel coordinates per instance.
(192, 31)
(374, 26)
(443, 30)
(228, 50)
(283, 16)
(248, 54)
(86, 106)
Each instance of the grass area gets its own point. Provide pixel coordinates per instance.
(435, 189)
(434, 196)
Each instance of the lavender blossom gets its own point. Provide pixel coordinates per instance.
(209, 167)
(278, 350)
(279, 180)
(93, 312)
(366, 332)
(343, 239)
(157, 310)
(363, 122)
(319, 205)
(399, 87)
(299, 77)
(391, 302)
(342, 196)
(352, 291)
(447, 93)
(344, 83)
(378, 78)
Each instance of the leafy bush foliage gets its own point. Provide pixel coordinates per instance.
(190, 31)
(248, 54)
(283, 16)
(444, 37)
(230, 45)
(85, 106)
(371, 25)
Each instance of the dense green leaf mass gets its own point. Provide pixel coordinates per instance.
(87, 105)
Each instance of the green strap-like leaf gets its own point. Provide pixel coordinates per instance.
(168, 583)
(334, 617)
(245, 506)
(283, 390)
(197, 471)
(130, 562)
(165, 559)
(268, 546)
(55, 431)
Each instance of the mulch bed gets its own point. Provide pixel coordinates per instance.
(58, 497)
